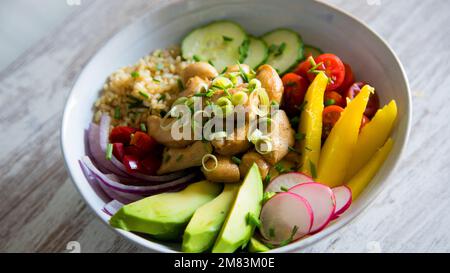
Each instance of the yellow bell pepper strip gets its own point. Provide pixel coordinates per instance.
(340, 144)
(309, 134)
(372, 137)
(362, 178)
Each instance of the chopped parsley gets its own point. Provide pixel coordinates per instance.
(279, 167)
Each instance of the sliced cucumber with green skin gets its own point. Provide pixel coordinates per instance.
(257, 54)
(218, 43)
(312, 51)
(285, 49)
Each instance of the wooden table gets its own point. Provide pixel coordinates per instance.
(40, 210)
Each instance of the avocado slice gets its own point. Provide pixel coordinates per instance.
(165, 215)
(256, 246)
(202, 230)
(236, 231)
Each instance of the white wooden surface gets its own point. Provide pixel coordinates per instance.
(40, 210)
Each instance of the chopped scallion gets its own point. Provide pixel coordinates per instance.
(117, 114)
(143, 127)
(196, 58)
(145, 95)
(135, 74)
(236, 160)
(313, 169)
(109, 150)
(227, 39)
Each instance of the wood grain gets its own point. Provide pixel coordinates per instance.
(40, 210)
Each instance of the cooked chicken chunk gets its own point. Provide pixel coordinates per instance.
(225, 172)
(271, 81)
(282, 137)
(195, 85)
(200, 69)
(176, 159)
(238, 144)
(164, 136)
(247, 162)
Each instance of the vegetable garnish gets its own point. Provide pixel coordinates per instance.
(267, 179)
(206, 158)
(227, 39)
(236, 160)
(279, 167)
(156, 80)
(117, 114)
(284, 188)
(295, 121)
(211, 62)
(159, 66)
(242, 72)
(145, 95)
(291, 238)
(196, 58)
(312, 166)
(109, 150)
(134, 74)
(267, 196)
(253, 220)
(243, 50)
(330, 102)
(143, 127)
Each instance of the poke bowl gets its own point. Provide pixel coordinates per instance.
(326, 112)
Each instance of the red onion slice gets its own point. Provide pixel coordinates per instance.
(138, 190)
(112, 207)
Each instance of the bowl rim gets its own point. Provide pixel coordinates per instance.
(301, 244)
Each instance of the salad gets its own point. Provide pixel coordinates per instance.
(233, 142)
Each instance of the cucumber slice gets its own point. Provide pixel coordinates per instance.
(218, 43)
(312, 51)
(285, 49)
(257, 54)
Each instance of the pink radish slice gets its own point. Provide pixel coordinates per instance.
(322, 202)
(282, 215)
(343, 195)
(288, 181)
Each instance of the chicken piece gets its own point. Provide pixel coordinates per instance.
(164, 136)
(282, 137)
(247, 162)
(195, 85)
(225, 172)
(271, 81)
(176, 159)
(200, 69)
(238, 144)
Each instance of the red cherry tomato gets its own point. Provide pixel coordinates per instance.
(303, 68)
(150, 165)
(143, 142)
(348, 80)
(295, 88)
(118, 150)
(333, 67)
(374, 102)
(121, 134)
(131, 163)
(333, 98)
(330, 116)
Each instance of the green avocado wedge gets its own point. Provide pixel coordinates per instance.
(255, 246)
(236, 232)
(205, 225)
(165, 215)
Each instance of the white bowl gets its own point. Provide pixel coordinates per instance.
(319, 24)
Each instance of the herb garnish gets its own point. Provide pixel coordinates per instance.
(134, 74)
(253, 220)
(279, 168)
(196, 58)
(145, 95)
(109, 150)
(143, 127)
(227, 39)
(117, 114)
(330, 102)
(243, 50)
(300, 136)
(312, 167)
(236, 160)
(267, 196)
(291, 238)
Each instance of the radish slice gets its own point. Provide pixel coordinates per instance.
(343, 195)
(284, 214)
(322, 202)
(288, 181)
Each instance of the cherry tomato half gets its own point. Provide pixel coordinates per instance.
(143, 142)
(121, 134)
(330, 116)
(118, 150)
(374, 102)
(333, 67)
(348, 80)
(333, 98)
(295, 88)
(150, 164)
(303, 68)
